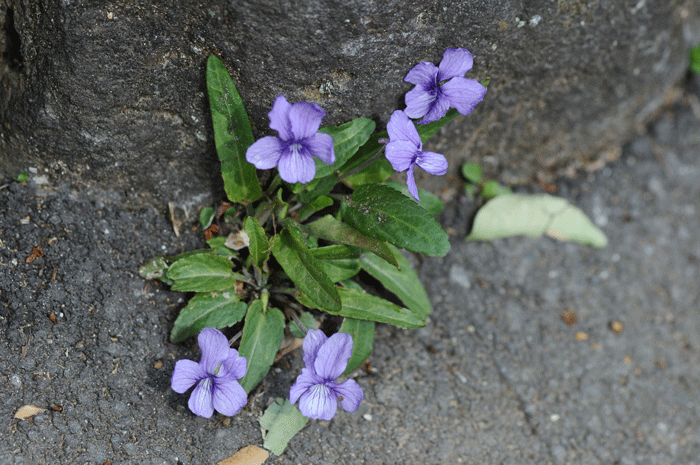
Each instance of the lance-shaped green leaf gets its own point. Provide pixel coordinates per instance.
(430, 202)
(362, 332)
(206, 215)
(262, 336)
(403, 282)
(385, 214)
(259, 247)
(208, 310)
(232, 134)
(304, 269)
(330, 229)
(347, 138)
(535, 215)
(282, 421)
(339, 270)
(317, 188)
(203, 273)
(335, 252)
(318, 204)
(363, 306)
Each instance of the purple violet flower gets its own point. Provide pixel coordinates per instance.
(441, 87)
(216, 376)
(405, 150)
(325, 359)
(298, 142)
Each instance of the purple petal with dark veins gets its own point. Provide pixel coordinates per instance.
(433, 163)
(318, 402)
(201, 399)
(455, 63)
(279, 118)
(265, 152)
(321, 146)
(401, 154)
(463, 94)
(185, 375)
(333, 356)
(305, 119)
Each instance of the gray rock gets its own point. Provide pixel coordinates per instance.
(115, 93)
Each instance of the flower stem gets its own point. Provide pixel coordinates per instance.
(292, 314)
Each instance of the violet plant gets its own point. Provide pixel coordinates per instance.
(295, 244)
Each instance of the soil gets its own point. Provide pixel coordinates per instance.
(537, 351)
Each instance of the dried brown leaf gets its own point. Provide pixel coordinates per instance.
(251, 455)
(28, 411)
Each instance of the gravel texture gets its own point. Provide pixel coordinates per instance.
(497, 376)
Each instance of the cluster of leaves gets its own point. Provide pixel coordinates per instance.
(301, 247)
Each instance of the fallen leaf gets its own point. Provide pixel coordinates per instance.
(289, 344)
(251, 455)
(158, 365)
(533, 216)
(616, 326)
(569, 316)
(237, 240)
(28, 411)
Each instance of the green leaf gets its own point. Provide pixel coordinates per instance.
(203, 273)
(206, 215)
(492, 189)
(330, 229)
(262, 337)
(362, 333)
(232, 134)
(259, 247)
(21, 177)
(307, 319)
(335, 252)
(378, 171)
(430, 202)
(155, 268)
(426, 131)
(533, 216)
(317, 188)
(305, 270)
(695, 59)
(403, 282)
(309, 209)
(347, 140)
(338, 270)
(208, 310)
(282, 421)
(363, 306)
(383, 213)
(472, 172)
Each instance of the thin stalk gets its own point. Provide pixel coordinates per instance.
(356, 170)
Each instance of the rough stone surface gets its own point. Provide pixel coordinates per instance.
(114, 92)
(497, 376)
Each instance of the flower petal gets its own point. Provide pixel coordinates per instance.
(229, 397)
(333, 356)
(463, 94)
(303, 383)
(234, 366)
(265, 152)
(349, 394)
(185, 375)
(433, 163)
(279, 118)
(455, 63)
(201, 399)
(423, 74)
(402, 128)
(401, 154)
(411, 182)
(438, 110)
(305, 119)
(214, 346)
(313, 341)
(318, 402)
(419, 101)
(321, 146)
(296, 165)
